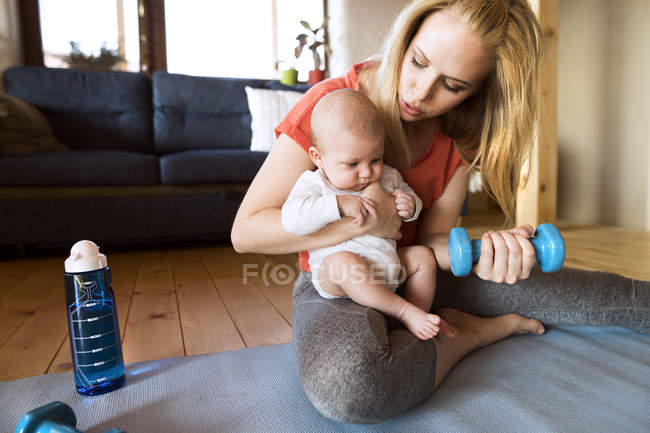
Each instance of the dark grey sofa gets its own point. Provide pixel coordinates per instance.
(151, 159)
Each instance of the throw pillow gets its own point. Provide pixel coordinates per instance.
(24, 129)
(268, 108)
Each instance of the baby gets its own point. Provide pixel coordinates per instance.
(347, 137)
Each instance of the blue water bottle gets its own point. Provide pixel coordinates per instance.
(95, 342)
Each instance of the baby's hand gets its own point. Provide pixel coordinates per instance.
(357, 207)
(405, 204)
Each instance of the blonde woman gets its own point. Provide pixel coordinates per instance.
(457, 86)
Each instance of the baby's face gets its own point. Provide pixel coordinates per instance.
(351, 162)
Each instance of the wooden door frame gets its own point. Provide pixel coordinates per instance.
(153, 41)
(537, 198)
(30, 32)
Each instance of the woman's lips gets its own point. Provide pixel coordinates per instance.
(409, 109)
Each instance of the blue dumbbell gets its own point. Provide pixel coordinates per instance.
(547, 241)
(55, 417)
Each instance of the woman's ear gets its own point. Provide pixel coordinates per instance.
(315, 156)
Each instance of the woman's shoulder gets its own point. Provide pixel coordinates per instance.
(365, 73)
(358, 73)
(348, 81)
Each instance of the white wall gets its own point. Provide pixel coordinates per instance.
(647, 222)
(357, 29)
(10, 51)
(604, 112)
(582, 44)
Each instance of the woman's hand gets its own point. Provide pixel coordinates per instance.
(506, 256)
(388, 221)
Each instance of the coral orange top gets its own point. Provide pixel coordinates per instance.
(428, 176)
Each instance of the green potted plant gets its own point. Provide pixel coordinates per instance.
(289, 76)
(107, 60)
(314, 39)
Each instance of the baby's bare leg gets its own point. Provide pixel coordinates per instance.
(420, 265)
(420, 287)
(346, 273)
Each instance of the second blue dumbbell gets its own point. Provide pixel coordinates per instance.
(56, 417)
(547, 241)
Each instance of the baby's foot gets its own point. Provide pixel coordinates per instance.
(422, 324)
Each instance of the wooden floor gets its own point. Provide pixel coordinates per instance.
(190, 300)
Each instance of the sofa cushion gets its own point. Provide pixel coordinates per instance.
(277, 85)
(79, 167)
(24, 129)
(210, 166)
(268, 108)
(200, 112)
(89, 109)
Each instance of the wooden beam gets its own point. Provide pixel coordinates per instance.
(647, 203)
(153, 45)
(537, 199)
(326, 37)
(121, 46)
(274, 34)
(30, 32)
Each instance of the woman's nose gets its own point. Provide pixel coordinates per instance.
(424, 89)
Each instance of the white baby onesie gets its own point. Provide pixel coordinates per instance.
(312, 205)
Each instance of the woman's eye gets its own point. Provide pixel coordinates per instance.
(415, 62)
(352, 164)
(448, 87)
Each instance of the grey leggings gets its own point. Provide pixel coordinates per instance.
(357, 366)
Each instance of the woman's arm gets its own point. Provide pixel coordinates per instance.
(506, 256)
(258, 226)
(441, 217)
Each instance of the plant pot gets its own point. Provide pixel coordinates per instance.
(289, 77)
(315, 76)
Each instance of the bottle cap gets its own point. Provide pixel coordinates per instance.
(84, 257)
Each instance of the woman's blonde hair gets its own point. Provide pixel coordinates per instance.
(495, 128)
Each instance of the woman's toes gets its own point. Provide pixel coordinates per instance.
(535, 327)
(530, 326)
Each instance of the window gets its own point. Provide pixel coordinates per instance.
(247, 39)
(212, 39)
(102, 34)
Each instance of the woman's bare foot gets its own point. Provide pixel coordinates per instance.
(424, 325)
(524, 325)
(508, 324)
(475, 332)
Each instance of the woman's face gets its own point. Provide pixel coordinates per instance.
(443, 65)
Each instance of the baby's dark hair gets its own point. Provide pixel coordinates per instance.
(347, 110)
